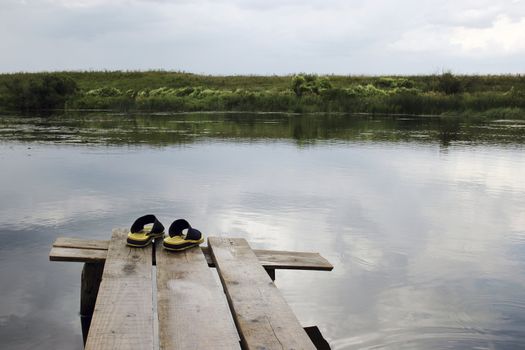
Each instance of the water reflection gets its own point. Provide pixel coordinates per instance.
(162, 129)
(449, 130)
(429, 245)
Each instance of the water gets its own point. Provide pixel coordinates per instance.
(423, 218)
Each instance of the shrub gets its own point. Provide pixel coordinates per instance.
(131, 93)
(449, 84)
(105, 92)
(298, 81)
(393, 83)
(365, 91)
(42, 92)
(309, 83)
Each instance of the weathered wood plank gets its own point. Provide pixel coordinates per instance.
(123, 317)
(263, 318)
(281, 259)
(78, 255)
(81, 250)
(192, 310)
(81, 243)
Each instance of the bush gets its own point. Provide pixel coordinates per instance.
(365, 91)
(105, 92)
(309, 83)
(42, 92)
(393, 83)
(121, 103)
(449, 84)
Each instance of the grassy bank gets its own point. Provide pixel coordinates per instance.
(492, 96)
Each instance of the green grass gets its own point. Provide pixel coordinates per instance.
(178, 91)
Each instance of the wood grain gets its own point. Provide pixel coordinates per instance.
(281, 259)
(123, 317)
(192, 309)
(78, 255)
(263, 318)
(76, 249)
(81, 243)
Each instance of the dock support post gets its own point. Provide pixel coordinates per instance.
(317, 338)
(89, 283)
(271, 273)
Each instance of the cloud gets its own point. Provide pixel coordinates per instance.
(504, 36)
(234, 36)
(429, 38)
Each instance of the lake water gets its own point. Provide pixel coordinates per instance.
(423, 218)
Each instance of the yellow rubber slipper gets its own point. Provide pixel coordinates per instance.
(144, 230)
(177, 240)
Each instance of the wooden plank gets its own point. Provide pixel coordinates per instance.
(71, 242)
(281, 259)
(78, 255)
(123, 317)
(192, 309)
(263, 318)
(79, 250)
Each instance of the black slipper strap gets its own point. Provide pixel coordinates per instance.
(139, 224)
(178, 226)
(193, 234)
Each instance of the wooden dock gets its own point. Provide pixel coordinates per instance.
(149, 298)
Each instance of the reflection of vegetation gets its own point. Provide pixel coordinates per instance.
(303, 129)
(449, 129)
(172, 91)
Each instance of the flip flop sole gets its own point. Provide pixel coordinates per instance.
(182, 246)
(139, 244)
(142, 243)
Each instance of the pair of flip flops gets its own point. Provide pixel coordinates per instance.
(148, 227)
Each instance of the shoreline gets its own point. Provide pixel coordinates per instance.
(435, 95)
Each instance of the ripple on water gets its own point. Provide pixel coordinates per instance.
(432, 338)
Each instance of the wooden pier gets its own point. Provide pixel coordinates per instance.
(150, 298)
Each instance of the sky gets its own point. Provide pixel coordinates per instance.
(264, 36)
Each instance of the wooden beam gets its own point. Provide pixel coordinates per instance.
(78, 255)
(81, 250)
(71, 242)
(123, 317)
(263, 318)
(271, 273)
(192, 310)
(281, 259)
(89, 285)
(317, 338)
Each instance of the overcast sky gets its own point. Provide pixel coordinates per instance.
(264, 36)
